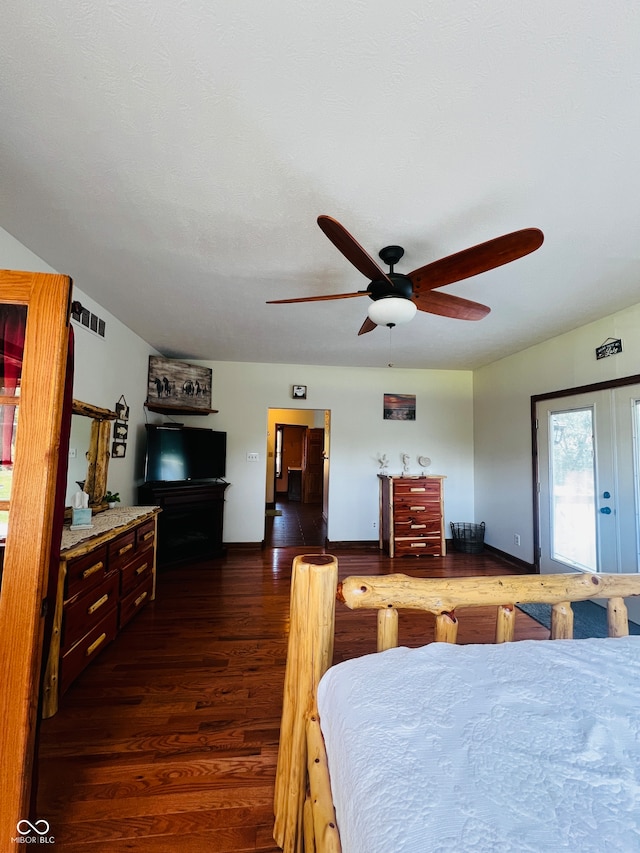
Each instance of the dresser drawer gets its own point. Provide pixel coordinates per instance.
(85, 572)
(135, 572)
(135, 601)
(121, 550)
(145, 535)
(416, 547)
(84, 651)
(88, 609)
(405, 488)
(418, 525)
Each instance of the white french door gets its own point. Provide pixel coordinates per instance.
(588, 480)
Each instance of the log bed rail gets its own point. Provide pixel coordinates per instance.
(304, 813)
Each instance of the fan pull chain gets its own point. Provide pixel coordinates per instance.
(390, 363)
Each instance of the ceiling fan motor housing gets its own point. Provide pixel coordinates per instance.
(402, 287)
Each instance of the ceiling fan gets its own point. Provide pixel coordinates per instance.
(396, 297)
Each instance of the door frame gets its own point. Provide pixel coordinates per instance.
(28, 545)
(538, 398)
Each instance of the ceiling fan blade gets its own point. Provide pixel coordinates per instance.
(367, 326)
(486, 256)
(352, 250)
(447, 305)
(317, 298)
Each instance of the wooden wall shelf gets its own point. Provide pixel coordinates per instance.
(164, 409)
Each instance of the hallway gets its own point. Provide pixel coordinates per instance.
(296, 524)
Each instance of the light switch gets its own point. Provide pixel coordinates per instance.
(253, 457)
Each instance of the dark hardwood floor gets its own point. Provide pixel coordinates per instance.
(168, 742)
(296, 524)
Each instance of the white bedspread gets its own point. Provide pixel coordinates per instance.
(530, 746)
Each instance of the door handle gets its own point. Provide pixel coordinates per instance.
(605, 510)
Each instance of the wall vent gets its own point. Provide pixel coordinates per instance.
(87, 319)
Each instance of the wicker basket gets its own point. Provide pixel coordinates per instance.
(468, 538)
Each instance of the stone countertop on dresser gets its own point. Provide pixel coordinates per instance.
(104, 524)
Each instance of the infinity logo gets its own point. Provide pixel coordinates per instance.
(40, 826)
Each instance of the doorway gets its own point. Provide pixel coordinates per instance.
(588, 480)
(297, 477)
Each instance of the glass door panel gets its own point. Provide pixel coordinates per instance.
(573, 488)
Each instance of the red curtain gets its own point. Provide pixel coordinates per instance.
(13, 323)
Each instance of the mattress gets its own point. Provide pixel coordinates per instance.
(528, 746)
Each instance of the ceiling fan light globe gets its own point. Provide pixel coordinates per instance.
(392, 311)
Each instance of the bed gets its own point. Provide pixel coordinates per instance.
(517, 746)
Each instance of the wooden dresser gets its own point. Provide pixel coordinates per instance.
(107, 575)
(412, 516)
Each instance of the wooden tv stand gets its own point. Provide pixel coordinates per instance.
(190, 524)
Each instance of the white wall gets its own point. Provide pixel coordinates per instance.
(443, 430)
(502, 394)
(105, 368)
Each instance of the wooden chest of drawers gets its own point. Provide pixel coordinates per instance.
(104, 580)
(412, 516)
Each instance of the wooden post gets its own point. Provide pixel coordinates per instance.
(562, 621)
(387, 629)
(446, 628)
(326, 837)
(310, 652)
(617, 618)
(52, 673)
(505, 623)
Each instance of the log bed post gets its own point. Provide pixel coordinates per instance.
(387, 629)
(310, 652)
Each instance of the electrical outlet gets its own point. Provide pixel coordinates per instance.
(253, 457)
(516, 539)
(375, 524)
(73, 453)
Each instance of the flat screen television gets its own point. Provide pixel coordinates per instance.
(177, 453)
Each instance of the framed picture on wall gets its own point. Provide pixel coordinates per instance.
(118, 450)
(120, 430)
(177, 383)
(399, 407)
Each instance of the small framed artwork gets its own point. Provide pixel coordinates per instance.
(399, 407)
(122, 409)
(118, 450)
(120, 430)
(299, 392)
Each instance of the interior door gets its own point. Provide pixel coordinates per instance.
(31, 410)
(588, 481)
(313, 466)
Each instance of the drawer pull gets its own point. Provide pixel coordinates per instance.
(98, 604)
(92, 570)
(418, 544)
(140, 599)
(148, 535)
(125, 548)
(141, 568)
(95, 644)
(417, 489)
(417, 508)
(418, 526)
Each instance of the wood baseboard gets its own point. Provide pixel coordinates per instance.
(516, 562)
(347, 545)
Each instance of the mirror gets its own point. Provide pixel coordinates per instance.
(90, 436)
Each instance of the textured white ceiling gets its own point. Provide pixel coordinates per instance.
(172, 157)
